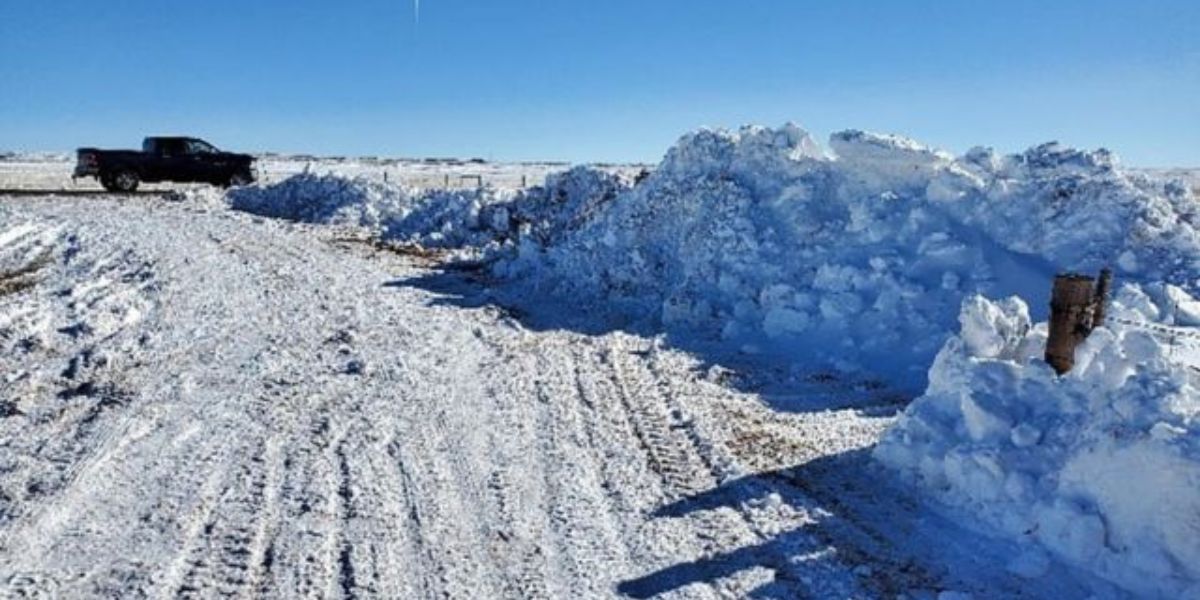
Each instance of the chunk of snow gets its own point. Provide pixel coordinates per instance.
(1101, 470)
(1025, 435)
(1030, 564)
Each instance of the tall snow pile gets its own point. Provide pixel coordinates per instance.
(545, 215)
(1100, 467)
(434, 218)
(763, 240)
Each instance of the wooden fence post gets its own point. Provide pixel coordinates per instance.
(1075, 309)
(1103, 286)
(1068, 304)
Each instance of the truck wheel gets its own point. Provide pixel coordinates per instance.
(125, 181)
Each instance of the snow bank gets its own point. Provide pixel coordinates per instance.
(760, 238)
(1100, 467)
(567, 201)
(433, 218)
(544, 214)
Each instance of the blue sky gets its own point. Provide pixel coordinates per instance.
(598, 80)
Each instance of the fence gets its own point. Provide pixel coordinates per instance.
(55, 174)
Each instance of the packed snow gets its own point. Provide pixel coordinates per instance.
(858, 262)
(432, 218)
(1100, 467)
(710, 352)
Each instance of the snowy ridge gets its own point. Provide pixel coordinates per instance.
(758, 237)
(324, 199)
(462, 219)
(1100, 467)
(566, 202)
(435, 218)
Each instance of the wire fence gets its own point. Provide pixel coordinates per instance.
(1183, 343)
(1174, 332)
(443, 174)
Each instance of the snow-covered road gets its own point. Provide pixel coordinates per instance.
(198, 403)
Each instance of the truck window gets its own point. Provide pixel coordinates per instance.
(166, 146)
(199, 147)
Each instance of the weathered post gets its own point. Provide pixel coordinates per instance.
(1103, 286)
(1075, 310)
(1070, 302)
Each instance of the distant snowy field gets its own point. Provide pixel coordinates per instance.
(768, 369)
(52, 171)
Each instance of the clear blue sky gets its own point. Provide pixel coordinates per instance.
(590, 80)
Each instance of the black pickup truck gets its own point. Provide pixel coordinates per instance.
(180, 159)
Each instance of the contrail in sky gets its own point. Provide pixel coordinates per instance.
(417, 11)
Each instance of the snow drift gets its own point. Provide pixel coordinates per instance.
(766, 242)
(1100, 467)
(860, 262)
(434, 218)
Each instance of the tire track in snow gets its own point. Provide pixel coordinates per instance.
(581, 516)
(206, 495)
(222, 563)
(683, 460)
(454, 486)
(430, 573)
(669, 457)
(375, 539)
(519, 542)
(262, 554)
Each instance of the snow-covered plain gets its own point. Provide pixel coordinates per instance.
(52, 171)
(671, 388)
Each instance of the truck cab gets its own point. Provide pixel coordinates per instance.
(175, 159)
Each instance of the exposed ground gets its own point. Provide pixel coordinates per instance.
(200, 403)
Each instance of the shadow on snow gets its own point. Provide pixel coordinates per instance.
(782, 384)
(855, 515)
(858, 517)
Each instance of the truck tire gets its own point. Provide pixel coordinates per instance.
(125, 181)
